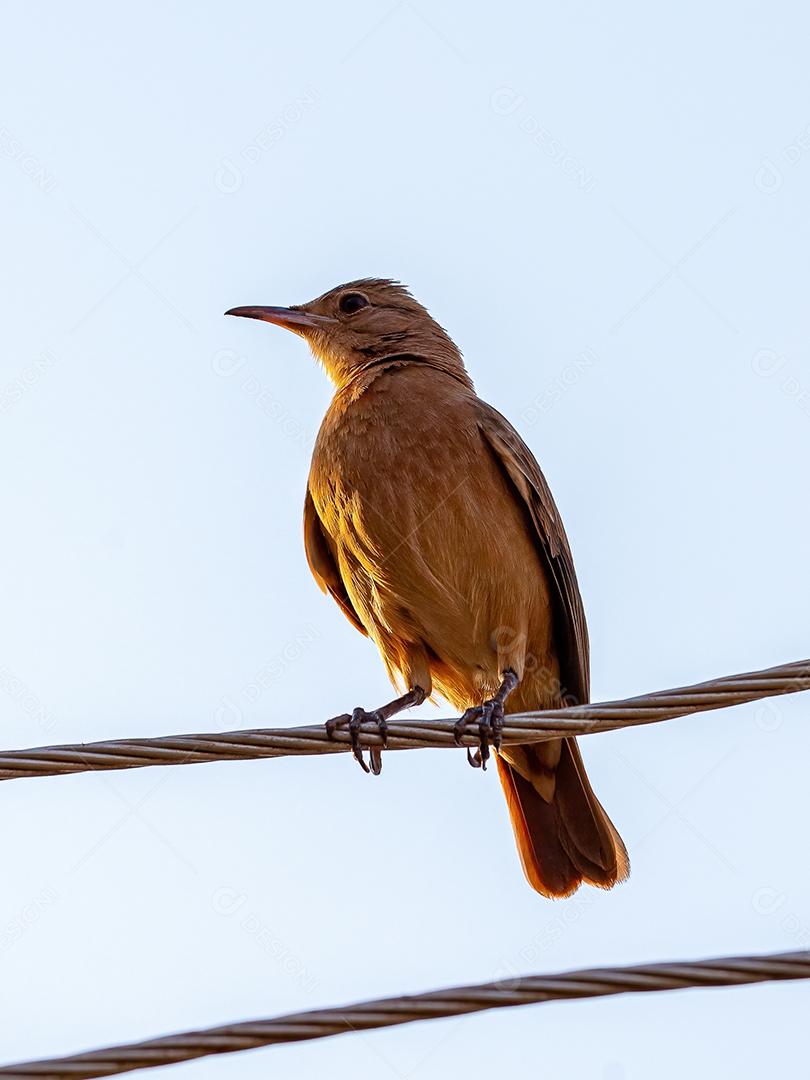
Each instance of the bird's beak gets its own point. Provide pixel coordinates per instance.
(291, 319)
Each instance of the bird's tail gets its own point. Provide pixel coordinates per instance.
(563, 834)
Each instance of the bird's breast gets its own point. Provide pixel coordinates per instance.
(384, 460)
(429, 539)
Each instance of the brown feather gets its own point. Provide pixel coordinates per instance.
(428, 520)
(579, 826)
(571, 630)
(321, 563)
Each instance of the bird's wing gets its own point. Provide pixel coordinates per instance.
(522, 471)
(322, 563)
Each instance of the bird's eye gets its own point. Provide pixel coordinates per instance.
(351, 302)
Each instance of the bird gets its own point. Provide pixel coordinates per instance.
(428, 520)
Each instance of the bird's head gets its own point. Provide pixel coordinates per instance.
(355, 326)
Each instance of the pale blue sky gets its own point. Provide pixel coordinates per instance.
(608, 209)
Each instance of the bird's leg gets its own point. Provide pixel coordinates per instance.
(490, 719)
(380, 717)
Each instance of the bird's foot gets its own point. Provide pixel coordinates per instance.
(354, 723)
(489, 716)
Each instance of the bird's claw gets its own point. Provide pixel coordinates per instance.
(360, 717)
(335, 723)
(354, 723)
(490, 719)
(496, 723)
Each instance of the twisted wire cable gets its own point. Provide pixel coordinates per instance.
(388, 1012)
(403, 734)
